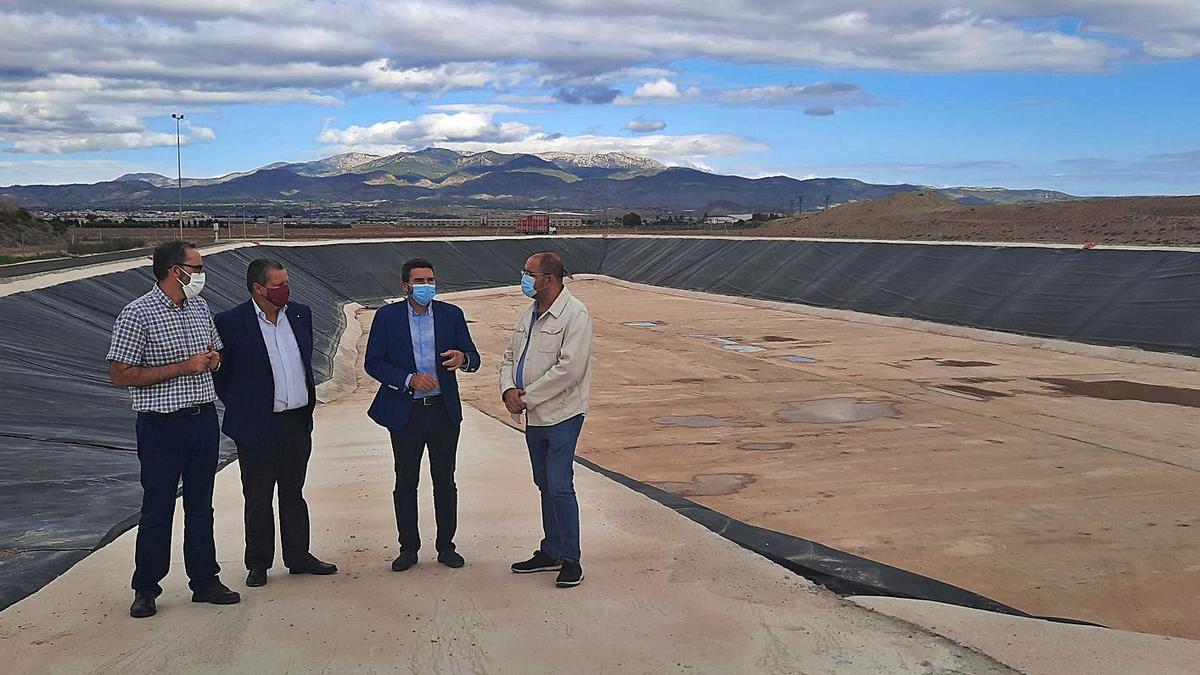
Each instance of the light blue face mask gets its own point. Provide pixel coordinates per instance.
(423, 293)
(527, 288)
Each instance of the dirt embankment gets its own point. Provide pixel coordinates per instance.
(1161, 221)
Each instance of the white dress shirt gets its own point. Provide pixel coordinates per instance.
(287, 368)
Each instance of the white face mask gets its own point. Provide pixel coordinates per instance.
(194, 285)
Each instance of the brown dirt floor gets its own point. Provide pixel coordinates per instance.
(1157, 221)
(1062, 485)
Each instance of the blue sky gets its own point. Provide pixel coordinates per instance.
(1089, 97)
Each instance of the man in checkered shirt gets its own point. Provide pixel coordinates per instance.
(164, 349)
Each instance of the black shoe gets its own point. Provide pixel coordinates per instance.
(570, 575)
(313, 566)
(540, 562)
(143, 606)
(257, 577)
(451, 559)
(405, 560)
(217, 594)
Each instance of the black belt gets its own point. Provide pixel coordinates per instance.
(190, 411)
(428, 400)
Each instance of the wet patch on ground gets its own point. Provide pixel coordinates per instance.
(644, 324)
(968, 392)
(1124, 390)
(704, 421)
(796, 358)
(777, 338)
(730, 344)
(707, 484)
(835, 411)
(982, 380)
(766, 447)
(688, 380)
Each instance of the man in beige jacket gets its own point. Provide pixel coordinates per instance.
(546, 375)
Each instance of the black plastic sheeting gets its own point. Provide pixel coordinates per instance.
(68, 468)
(1148, 299)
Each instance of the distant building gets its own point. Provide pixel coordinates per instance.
(439, 222)
(513, 222)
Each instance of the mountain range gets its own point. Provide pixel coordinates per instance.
(437, 179)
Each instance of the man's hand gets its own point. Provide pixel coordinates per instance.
(454, 359)
(423, 383)
(214, 358)
(514, 401)
(198, 363)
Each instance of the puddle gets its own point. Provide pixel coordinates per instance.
(743, 349)
(707, 484)
(730, 344)
(643, 324)
(1124, 390)
(968, 392)
(704, 421)
(766, 447)
(835, 411)
(794, 358)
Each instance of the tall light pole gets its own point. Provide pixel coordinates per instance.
(179, 168)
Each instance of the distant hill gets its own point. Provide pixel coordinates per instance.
(19, 227)
(929, 215)
(446, 179)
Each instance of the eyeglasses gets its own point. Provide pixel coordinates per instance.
(194, 268)
(535, 274)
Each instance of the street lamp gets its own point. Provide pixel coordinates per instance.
(179, 168)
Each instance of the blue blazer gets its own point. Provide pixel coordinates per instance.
(390, 360)
(244, 382)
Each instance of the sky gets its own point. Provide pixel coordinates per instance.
(1091, 97)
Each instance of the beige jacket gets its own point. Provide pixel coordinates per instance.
(557, 372)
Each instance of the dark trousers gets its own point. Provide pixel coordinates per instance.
(172, 448)
(552, 455)
(429, 426)
(280, 458)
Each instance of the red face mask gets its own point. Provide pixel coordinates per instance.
(278, 296)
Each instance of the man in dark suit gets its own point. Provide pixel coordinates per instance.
(415, 350)
(266, 383)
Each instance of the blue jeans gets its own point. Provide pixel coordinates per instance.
(172, 449)
(552, 454)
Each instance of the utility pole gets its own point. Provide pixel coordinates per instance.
(179, 168)
(826, 202)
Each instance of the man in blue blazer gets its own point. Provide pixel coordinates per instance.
(266, 383)
(415, 349)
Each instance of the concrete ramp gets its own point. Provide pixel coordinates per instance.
(662, 594)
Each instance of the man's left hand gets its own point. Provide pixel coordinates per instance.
(214, 358)
(454, 359)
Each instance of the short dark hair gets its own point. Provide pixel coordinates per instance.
(259, 271)
(169, 254)
(412, 264)
(550, 263)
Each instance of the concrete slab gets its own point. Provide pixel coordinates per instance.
(1048, 480)
(662, 594)
(1042, 648)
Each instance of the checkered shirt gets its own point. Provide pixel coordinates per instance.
(153, 331)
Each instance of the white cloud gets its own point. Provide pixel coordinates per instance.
(431, 129)
(478, 131)
(641, 125)
(115, 59)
